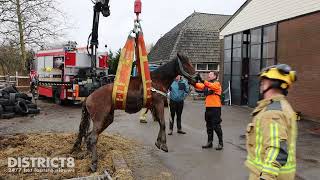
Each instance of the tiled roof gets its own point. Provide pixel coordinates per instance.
(197, 37)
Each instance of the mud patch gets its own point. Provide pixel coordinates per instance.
(59, 145)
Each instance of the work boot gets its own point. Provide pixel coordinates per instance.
(170, 132)
(208, 145)
(181, 132)
(219, 147)
(210, 139)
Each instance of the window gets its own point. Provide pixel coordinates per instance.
(267, 62)
(236, 68)
(254, 67)
(227, 42)
(269, 33)
(255, 51)
(227, 68)
(263, 47)
(269, 50)
(213, 67)
(57, 62)
(246, 37)
(269, 46)
(208, 67)
(236, 56)
(256, 36)
(237, 41)
(227, 55)
(201, 67)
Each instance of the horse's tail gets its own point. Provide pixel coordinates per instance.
(83, 128)
(85, 121)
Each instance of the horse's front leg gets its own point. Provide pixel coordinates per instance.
(161, 142)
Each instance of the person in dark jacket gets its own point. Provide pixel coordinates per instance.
(179, 89)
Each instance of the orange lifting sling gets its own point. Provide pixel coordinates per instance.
(122, 79)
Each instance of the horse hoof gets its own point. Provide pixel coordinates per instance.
(158, 145)
(164, 148)
(93, 168)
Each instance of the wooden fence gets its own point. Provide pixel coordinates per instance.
(17, 80)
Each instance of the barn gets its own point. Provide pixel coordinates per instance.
(197, 37)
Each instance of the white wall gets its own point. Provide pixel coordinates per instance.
(260, 12)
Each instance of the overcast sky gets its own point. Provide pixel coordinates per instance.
(158, 17)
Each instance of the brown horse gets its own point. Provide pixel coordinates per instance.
(100, 109)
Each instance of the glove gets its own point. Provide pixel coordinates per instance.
(199, 79)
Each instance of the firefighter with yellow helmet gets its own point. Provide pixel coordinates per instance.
(271, 136)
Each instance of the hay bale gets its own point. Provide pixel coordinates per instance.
(120, 166)
(59, 145)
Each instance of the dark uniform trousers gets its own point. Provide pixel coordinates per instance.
(176, 108)
(213, 123)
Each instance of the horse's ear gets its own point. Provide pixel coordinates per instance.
(181, 56)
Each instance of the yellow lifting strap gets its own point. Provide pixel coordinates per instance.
(122, 79)
(143, 69)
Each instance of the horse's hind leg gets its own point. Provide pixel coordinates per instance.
(99, 124)
(83, 129)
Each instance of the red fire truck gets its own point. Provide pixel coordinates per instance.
(65, 74)
(71, 73)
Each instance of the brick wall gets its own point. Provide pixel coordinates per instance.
(299, 46)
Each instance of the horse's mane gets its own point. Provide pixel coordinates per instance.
(165, 70)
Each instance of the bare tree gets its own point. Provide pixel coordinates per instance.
(30, 23)
(9, 59)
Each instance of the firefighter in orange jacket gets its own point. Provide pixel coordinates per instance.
(212, 91)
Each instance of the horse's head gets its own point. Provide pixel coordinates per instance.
(185, 68)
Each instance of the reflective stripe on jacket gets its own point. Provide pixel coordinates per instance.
(212, 100)
(271, 140)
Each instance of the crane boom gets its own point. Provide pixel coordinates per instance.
(101, 6)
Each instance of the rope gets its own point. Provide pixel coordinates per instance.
(158, 91)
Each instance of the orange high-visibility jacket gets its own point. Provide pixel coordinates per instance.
(212, 100)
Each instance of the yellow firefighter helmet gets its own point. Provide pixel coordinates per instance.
(281, 72)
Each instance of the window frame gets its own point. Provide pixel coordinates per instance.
(207, 67)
